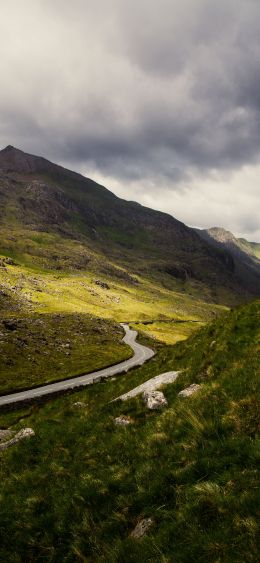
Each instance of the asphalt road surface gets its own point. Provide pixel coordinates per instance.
(141, 355)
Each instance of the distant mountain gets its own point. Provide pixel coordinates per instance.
(58, 219)
(252, 248)
(244, 254)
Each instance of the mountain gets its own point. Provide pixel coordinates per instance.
(245, 255)
(74, 258)
(58, 219)
(252, 248)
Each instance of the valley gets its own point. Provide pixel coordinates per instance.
(129, 281)
(75, 263)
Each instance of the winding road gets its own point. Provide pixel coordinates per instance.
(141, 355)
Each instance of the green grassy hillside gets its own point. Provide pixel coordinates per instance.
(76, 490)
(70, 247)
(44, 348)
(64, 322)
(75, 261)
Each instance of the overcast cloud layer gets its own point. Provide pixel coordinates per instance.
(160, 101)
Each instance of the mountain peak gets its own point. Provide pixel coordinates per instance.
(222, 235)
(8, 148)
(15, 160)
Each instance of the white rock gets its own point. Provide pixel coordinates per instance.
(5, 434)
(154, 399)
(142, 528)
(151, 385)
(189, 390)
(24, 433)
(122, 420)
(21, 435)
(79, 404)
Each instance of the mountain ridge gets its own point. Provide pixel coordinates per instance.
(39, 196)
(246, 262)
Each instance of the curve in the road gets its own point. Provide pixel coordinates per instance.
(141, 355)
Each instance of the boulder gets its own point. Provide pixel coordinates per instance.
(150, 385)
(189, 390)
(154, 399)
(142, 528)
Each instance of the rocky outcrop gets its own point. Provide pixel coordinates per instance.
(102, 284)
(151, 385)
(21, 435)
(154, 400)
(180, 272)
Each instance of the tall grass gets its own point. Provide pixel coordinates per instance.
(76, 490)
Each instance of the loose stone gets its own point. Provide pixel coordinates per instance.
(189, 390)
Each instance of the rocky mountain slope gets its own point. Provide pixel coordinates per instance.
(244, 255)
(58, 219)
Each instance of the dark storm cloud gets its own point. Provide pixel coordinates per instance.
(165, 91)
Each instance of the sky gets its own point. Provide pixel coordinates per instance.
(158, 101)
